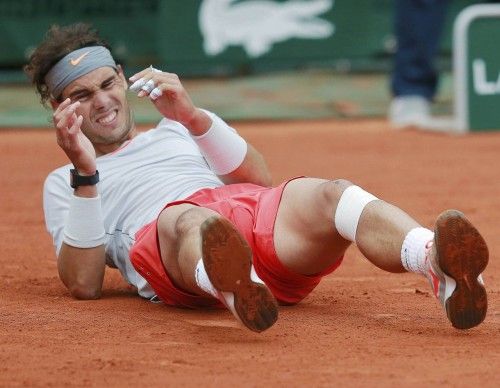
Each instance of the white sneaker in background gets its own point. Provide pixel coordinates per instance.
(409, 111)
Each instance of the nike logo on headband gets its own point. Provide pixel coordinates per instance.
(76, 61)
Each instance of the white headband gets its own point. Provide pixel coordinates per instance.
(76, 64)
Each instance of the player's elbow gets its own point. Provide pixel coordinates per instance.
(266, 179)
(82, 271)
(84, 292)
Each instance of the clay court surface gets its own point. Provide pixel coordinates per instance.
(360, 327)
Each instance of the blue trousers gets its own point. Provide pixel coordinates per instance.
(418, 27)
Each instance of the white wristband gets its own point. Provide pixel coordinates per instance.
(223, 149)
(85, 224)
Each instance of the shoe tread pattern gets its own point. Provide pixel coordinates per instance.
(462, 254)
(228, 261)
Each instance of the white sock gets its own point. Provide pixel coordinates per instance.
(202, 280)
(415, 248)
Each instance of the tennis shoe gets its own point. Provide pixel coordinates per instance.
(457, 257)
(228, 262)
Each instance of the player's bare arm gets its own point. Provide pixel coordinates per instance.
(169, 96)
(70, 138)
(80, 269)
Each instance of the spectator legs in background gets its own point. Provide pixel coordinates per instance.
(418, 27)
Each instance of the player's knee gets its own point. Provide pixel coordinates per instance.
(191, 220)
(83, 292)
(332, 190)
(348, 202)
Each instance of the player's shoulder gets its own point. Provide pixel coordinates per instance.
(166, 131)
(59, 172)
(172, 127)
(57, 178)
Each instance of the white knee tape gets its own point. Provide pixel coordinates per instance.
(349, 209)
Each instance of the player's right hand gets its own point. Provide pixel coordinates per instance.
(71, 139)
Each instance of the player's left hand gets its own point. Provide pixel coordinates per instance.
(166, 92)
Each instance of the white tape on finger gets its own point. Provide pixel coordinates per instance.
(149, 86)
(155, 93)
(137, 85)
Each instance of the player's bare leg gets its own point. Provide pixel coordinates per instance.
(305, 223)
(204, 253)
(308, 240)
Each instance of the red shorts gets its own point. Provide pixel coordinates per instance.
(252, 209)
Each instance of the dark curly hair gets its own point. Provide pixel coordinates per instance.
(58, 42)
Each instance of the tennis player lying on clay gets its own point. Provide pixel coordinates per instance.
(187, 213)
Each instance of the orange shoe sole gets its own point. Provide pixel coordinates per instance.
(228, 262)
(462, 254)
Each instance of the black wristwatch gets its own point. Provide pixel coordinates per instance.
(77, 180)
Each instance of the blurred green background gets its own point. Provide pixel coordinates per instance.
(343, 73)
